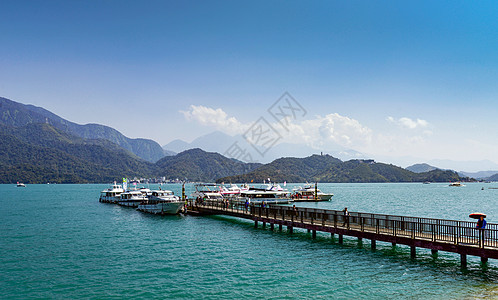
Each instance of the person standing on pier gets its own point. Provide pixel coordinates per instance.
(346, 216)
(481, 223)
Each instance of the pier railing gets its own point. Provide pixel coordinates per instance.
(435, 230)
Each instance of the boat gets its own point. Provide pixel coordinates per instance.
(20, 184)
(207, 191)
(307, 193)
(456, 184)
(233, 190)
(112, 194)
(269, 194)
(133, 198)
(161, 202)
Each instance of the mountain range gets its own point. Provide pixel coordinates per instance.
(17, 115)
(37, 146)
(220, 142)
(325, 168)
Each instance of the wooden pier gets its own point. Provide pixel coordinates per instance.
(460, 237)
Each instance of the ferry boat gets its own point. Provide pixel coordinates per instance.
(307, 193)
(20, 184)
(207, 191)
(266, 195)
(161, 202)
(112, 194)
(133, 198)
(233, 190)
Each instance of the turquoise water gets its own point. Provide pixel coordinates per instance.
(58, 241)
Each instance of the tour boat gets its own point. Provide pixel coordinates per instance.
(112, 194)
(133, 198)
(456, 184)
(266, 195)
(207, 191)
(20, 184)
(233, 190)
(161, 202)
(307, 193)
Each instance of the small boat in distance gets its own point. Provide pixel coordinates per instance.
(456, 184)
(20, 184)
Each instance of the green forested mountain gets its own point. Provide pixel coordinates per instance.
(37, 146)
(17, 115)
(326, 168)
(421, 168)
(198, 165)
(38, 153)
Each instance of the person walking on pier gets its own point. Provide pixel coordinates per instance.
(481, 223)
(346, 216)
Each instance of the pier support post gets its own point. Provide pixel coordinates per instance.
(332, 235)
(360, 240)
(340, 239)
(255, 224)
(374, 245)
(484, 260)
(434, 252)
(413, 251)
(280, 227)
(394, 244)
(463, 260)
(314, 234)
(291, 229)
(272, 226)
(264, 224)
(309, 230)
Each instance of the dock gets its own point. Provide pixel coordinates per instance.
(460, 237)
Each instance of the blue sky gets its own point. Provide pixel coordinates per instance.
(136, 65)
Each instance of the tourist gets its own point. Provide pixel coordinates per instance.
(346, 216)
(481, 223)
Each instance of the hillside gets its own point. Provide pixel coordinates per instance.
(198, 165)
(17, 115)
(326, 168)
(493, 177)
(421, 168)
(38, 153)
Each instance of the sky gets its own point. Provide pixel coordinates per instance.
(402, 81)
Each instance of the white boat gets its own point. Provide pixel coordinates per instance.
(161, 202)
(207, 191)
(133, 198)
(307, 193)
(20, 184)
(233, 190)
(456, 184)
(268, 196)
(112, 194)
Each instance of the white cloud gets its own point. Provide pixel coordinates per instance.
(321, 132)
(215, 118)
(342, 130)
(408, 123)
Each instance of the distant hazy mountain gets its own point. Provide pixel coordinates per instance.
(39, 153)
(199, 165)
(220, 142)
(478, 175)
(421, 168)
(325, 168)
(493, 177)
(465, 166)
(16, 114)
